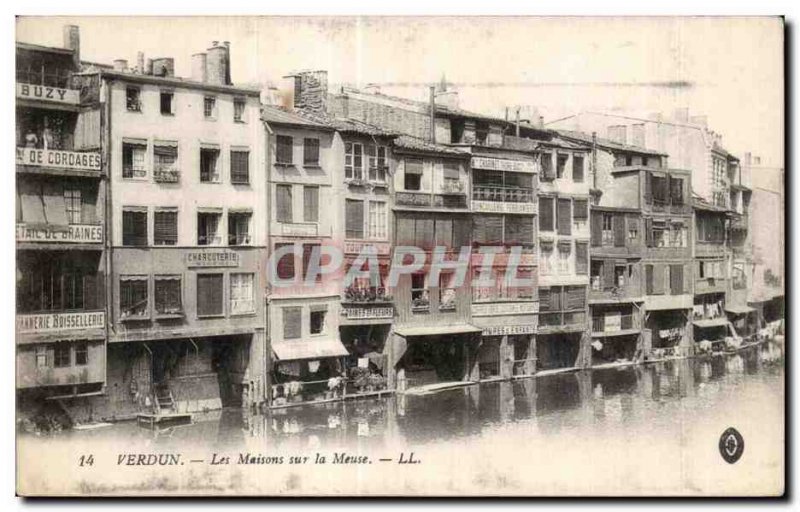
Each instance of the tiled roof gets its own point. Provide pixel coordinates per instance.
(413, 143)
(279, 115)
(586, 138)
(349, 125)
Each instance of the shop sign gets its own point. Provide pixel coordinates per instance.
(367, 313)
(502, 164)
(500, 207)
(74, 233)
(508, 330)
(89, 160)
(43, 92)
(49, 322)
(512, 308)
(221, 258)
(381, 249)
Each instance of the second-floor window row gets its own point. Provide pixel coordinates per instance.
(166, 164)
(165, 227)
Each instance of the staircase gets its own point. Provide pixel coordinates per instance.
(163, 401)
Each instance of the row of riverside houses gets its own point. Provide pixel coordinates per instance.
(148, 206)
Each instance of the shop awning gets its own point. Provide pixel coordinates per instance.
(308, 349)
(434, 330)
(711, 322)
(739, 310)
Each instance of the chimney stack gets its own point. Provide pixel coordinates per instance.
(148, 70)
(121, 65)
(164, 66)
(217, 66)
(140, 63)
(311, 91)
(227, 62)
(433, 114)
(72, 41)
(199, 67)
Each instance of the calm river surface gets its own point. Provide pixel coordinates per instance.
(631, 430)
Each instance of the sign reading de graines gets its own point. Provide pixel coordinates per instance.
(74, 233)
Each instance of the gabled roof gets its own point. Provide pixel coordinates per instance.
(41, 48)
(586, 138)
(279, 115)
(410, 143)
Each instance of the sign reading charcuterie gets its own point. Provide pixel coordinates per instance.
(212, 259)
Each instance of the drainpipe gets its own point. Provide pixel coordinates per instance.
(516, 123)
(594, 160)
(106, 148)
(433, 114)
(267, 340)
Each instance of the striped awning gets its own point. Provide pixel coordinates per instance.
(308, 349)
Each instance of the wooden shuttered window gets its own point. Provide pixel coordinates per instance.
(240, 167)
(209, 295)
(564, 216)
(423, 232)
(283, 149)
(308, 251)
(518, 230)
(134, 228)
(310, 204)
(548, 171)
(488, 229)
(311, 151)
(607, 276)
(581, 258)
(354, 219)
(462, 233)
(577, 168)
(619, 230)
(444, 233)
(165, 227)
(404, 230)
(597, 229)
(648, 279)
(580, 210)
(574, 298)
(292, 323)
(546, 214)
(676, 279)
(648, 188)
(285, 265)
(648, 231)
(283, 203)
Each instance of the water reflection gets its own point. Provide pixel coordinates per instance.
(597, 399)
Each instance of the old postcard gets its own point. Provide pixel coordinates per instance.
(400, 256)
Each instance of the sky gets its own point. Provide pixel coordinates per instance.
(729, 69)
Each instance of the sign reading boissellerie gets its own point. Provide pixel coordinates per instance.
(502, 164)
(46, 322)
(212, 259)
(55, 158)
(508, 330)
(74, 233)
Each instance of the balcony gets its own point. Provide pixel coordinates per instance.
(366, 305)
(710, 285)
(167, 175)
(503, 199)
(615, 325)
(564, 321)
(630, 291)
(668, 206)
(39, 160)
(427, 200)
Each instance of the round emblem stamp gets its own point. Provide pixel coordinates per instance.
(731, 445)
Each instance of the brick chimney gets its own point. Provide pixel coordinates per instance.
(311, 91)
(72, 41)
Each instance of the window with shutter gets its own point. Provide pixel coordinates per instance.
(167, 295)
(608, 275)
(444, 233)
(649, 279)
(546, 214)
(544, 299)
(239, 228)
(310, 204)
(285, 265)
(308, 251)
(597, 229)
(659, 273)
(209, 165)
(676, 190)
(648, 188)
(488, 229)
(377, 219)
(209, 295)
(133, 301)
(574, 297)
(564, 216)
(424, 235)
(284, 149)
(580, 210)
(518, 230)
(134, 228)
(676, 279)
(648, 231)
(581, 258)
(619, 230)
(292, 323)
(577, 169)
(404, 232)
(165, 227)
(311, 151)
(240, 167)
(462, 233)
(354, 219)
(283, 203)
(548, 172)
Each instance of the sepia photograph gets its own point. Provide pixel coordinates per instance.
(399, 256)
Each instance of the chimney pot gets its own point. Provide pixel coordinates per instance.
(72, 41)
(199, 67)
(140, 62)
(120, 65)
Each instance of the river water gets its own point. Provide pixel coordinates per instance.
(647, 429)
